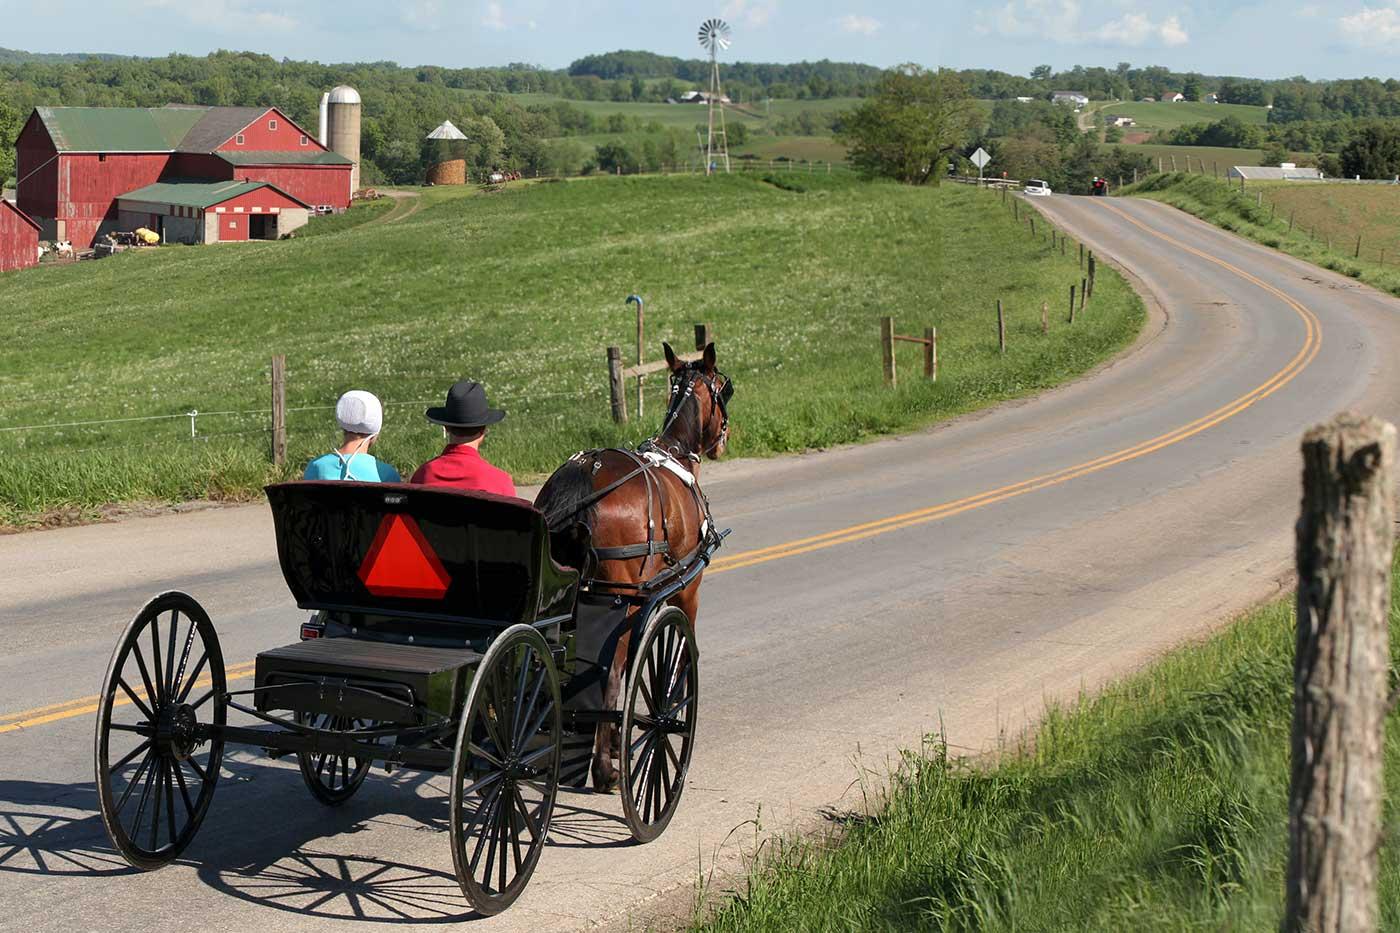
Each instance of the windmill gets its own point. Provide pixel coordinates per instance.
(714, 35)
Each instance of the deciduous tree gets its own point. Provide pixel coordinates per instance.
(907, 130)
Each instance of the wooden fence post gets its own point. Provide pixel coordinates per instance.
(616, 390)
(1085, 287)
(1081, 255)
(279, 410)
(1093, 268)
(1045, 316)
(1358, 247)
(1001, 327)
(1071, 303)
(1032, 226)
(1290, 219)
(704, 336)
(931, 353)
(887, 350)
(1341, 671)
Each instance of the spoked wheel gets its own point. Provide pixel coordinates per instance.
(506, 773)
(658, 723)
(156, 762)
(332, 779)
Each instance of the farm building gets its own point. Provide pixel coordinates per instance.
(76, 163)
(1275, 173)
(19, 238)
(183, 211)
(1073, 98)
(1116, 120)
(1172, 97)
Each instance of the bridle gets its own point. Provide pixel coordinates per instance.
(721, 390)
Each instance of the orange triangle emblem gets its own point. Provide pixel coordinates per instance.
(401, 563)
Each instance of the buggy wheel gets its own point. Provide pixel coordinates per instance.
(158, 744)
(658, 723)
(506, 772)
(332, 779)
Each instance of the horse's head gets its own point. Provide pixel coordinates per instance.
(698, 415)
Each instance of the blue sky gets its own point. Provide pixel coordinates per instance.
(1265, 39)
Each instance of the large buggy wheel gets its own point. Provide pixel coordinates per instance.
(332, 779)
(506, 771)
(156, 761)
(658, 722)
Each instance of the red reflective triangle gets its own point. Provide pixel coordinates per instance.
(401, 563)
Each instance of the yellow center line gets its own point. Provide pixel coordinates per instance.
(1312, 343)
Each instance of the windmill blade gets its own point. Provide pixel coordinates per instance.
(714, 33)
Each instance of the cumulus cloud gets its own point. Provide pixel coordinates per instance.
(859, 24)
(494, 16)
(1065, 21)
(1372, 27)
(753, 13)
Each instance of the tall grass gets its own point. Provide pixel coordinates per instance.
(1160, 804)
(523, 290)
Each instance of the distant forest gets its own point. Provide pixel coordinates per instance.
(534, 132)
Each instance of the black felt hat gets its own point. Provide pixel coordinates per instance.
(465, 408)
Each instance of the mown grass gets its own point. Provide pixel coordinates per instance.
(1317, 205)
(1213, 158)
(1160, 804)
(1165, 116)
(360, 212)
(523, 289)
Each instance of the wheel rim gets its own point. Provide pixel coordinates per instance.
(332, 778)
(156, 767)
(507, 772)
(658, 727)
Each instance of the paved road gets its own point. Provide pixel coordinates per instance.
(952, 580)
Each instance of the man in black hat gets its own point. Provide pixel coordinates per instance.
(465, 417)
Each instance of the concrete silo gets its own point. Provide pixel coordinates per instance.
(342, 134)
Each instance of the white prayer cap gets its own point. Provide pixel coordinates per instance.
(359, 412)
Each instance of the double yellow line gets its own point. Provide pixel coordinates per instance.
(1312, 342)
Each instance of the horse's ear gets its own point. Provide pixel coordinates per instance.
(671, 359)
(707, 362)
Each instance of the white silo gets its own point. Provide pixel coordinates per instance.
(343, 128)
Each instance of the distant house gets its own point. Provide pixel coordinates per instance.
(1285, 172)
(1149, 100)
(1115, 120)
(1073, 98)
(1172, 97)
(1024, 100)
(1211, 99)
(701, 97)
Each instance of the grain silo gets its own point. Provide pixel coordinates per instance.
(343, 128)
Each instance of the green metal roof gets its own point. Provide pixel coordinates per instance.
(309, 157)
(200, 194)
(119, 129)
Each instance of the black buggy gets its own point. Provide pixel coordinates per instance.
(445, 639)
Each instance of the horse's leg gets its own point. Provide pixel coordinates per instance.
(607, 740)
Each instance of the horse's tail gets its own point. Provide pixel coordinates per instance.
(565, 500)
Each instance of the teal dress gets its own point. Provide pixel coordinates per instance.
(363, 468)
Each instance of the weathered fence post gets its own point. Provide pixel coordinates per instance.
(1071, 303)
(615, 387)
(279, 410)
(704, 336)
(1358, 247)
(887, 349)
(1081, 255)
(931, 353)
(1001, 327)
(1291, 214)
(1045, 316)
(1093, 268)
(1085, 287)
(1032, 226)
(1340, 674)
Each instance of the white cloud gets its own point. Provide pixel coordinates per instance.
(224, 15)
(1065, 21)
(753, 13)
(494, 17)
(420, 14)
(859, 24)
(1372, 27)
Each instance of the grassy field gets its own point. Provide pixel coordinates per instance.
(1162, 116)
(797, 148)
(523, 290)
(1213, 157)
(1161, 804)
(1320, 210)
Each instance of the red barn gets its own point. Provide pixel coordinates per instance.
(19, 239)
(76, 162)
(212, 211)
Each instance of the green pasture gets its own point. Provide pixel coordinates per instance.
(523, 289)
(1164, 116)
(1160, 804)
(1214, 158)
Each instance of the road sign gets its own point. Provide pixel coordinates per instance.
(980, 158)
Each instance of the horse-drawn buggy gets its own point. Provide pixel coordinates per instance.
(446, 638)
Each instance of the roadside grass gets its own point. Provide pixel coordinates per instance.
(523, 289)
(1322, 207)
(1164, 116)
(1159, 804)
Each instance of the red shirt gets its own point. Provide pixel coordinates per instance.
(462, 467)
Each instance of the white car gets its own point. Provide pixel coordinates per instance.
(1036, 187)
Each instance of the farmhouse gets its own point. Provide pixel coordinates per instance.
(1074, 98)
(1285, 172)
(195, 212)
(1117, 120)
(1172, 97)
(19, 238)
(76, 163)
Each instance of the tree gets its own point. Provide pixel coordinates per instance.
(1041, 73)
(11, 122)
(1191, 90)
(1374, 151)
(908, 129)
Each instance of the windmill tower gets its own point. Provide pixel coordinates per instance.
(714, 35)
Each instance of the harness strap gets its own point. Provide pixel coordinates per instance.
(629, 551)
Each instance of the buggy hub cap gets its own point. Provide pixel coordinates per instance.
(178, 730)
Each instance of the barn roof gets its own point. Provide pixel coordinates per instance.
(309, 157)
(217, 125)
(1274, 173)
(199, 194)
(117, 129)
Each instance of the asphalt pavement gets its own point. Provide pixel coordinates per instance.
(948, 582)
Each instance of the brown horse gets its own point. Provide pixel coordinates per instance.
(624, 518)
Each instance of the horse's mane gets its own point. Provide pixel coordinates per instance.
(570, 521)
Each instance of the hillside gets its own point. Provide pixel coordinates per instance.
(523, 290)
(1165, 116)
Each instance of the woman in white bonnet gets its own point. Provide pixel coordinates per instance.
(361, 417)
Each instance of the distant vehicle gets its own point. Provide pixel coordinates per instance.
(1100, 188)
(1036, 187)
